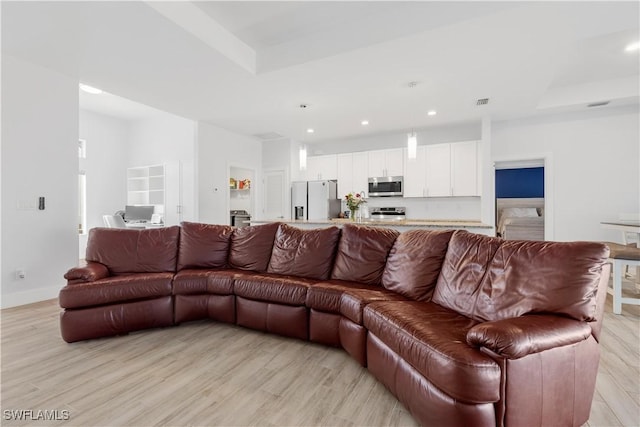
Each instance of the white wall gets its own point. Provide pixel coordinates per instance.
(170, 140)
(39, 158)
(595, 155)
(219, 149)
(105, 166)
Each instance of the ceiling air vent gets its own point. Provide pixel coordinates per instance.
(482, 101)
(268, 135)
(598, 104)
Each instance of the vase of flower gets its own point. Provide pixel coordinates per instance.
(353, 203)
(352, 212)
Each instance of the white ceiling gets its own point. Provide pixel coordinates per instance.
(247, 66)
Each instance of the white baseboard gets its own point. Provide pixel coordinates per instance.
(28, 297)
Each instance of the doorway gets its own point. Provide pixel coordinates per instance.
(241, 194)
(520, 203)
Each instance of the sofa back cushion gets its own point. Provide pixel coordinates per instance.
(134, 251)
(251, 246)
(415, 261)
(204, 245)
(487, 278)
(304, 253)
(362, 253)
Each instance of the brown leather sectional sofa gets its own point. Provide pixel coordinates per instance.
(464, 329)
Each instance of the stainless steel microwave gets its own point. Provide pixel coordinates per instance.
(386, 186)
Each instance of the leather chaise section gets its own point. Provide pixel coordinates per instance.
(432, 339)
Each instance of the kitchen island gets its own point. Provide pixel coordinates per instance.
(400, 225)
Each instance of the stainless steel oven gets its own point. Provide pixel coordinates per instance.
(386, 186)
(240, 218)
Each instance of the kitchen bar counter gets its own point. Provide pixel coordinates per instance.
(402, 225)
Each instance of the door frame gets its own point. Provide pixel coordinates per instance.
(532, 160)
(254, 190)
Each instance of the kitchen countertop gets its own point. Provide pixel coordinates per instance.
(427, 223)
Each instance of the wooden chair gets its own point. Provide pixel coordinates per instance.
(622, 256)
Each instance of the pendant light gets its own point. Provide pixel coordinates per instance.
(303, 157)
(412, 145)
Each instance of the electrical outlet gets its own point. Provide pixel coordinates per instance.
(21, 274)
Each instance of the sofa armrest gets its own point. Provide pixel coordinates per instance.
(88, 272)
(517, 337)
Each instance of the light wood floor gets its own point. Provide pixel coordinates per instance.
(207, 373)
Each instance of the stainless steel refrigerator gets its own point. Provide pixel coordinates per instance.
(314, 200)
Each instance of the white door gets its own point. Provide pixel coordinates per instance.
(274, 195)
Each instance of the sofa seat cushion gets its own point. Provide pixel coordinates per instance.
(304, 253)
(432, 339)
(327, 296)
(114, 289)
(202, 281)
(203, 245)
(354, 300)
(272, 288)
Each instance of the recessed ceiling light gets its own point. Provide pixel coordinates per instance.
(90, 89)
(364, 122)
(432, 113)
(632, 47)
(310, 130)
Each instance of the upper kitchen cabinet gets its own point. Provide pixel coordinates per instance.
(386, 162)
(438, 170)
(415, 180)
(464, 169)
(322, 168)
(352, 172)
(443, 170)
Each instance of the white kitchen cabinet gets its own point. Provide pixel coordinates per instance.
(464, 169)
(438, 170)
(322, 168)
(415, 175)
(345, 173)
(360, 172)
(352, 173)
(386, 162)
